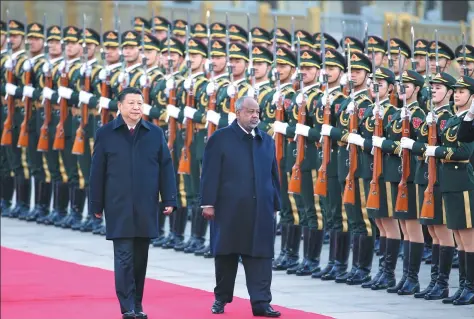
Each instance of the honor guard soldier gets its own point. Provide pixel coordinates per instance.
(218, 30)
(441, 92)
(442, 59)
(160, 27)
(329, 42)
(457, 186)
(179, 30)
(312, 220)
(465, 59)
(283, 37)
(261, 37)
(377, 45)
(199, 31)
(394, 46)
(406, 206)
(49, 118)
(139, 23)
(306, 40)
(421, 50)
(13, 89)
(336, 217)
(148, 81)
(6, 173)
(237, 34)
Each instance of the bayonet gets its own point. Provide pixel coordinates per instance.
(27, 43)
(366, 39)
(389, 54)
(413, 61)
(209, 45)
(293, 34)
(402, 86)
(170, 62)
(116, 16)
(248, 23)
(45, 43)
(343, 36)
(152, 21)
(227, 50)
(298, 64)
(144, 59)
(464, 66)
(438, 69)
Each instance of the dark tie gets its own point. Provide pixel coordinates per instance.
(132, 130)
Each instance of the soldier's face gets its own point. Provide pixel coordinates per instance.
(285, 71)
(443, 63)
(16, 41)
(112, 54)
(73, 49)
(161, 35)
(54, 48)
(131, 107)
(36, 44)
(420, 63)
(130, 53)
(196, 61)
(359, 77)
(181, 38)
(219, 63)
(151, 57)
(440, 92)
(396, 64)
(410, 91)
(378, 57)
(383, 89)
(261, 69)
(310, 74)
(238, 66)
(91, 49)
(334, 73)
(462, 97)
(249, 115)
(469, 66)
(176, 58)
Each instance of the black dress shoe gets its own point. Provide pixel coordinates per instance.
(129, 315)
(218, 307)
(141, 315)
(268, 312)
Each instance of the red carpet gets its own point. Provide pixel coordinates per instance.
(36, 287)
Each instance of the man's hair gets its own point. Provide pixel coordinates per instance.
(129, 90)
(239, 104)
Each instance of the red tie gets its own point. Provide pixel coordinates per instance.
(132, 130)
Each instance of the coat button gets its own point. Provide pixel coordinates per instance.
(255, 197)
(456, 167)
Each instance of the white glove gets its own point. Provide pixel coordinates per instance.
(324, 100)
(104, 103)
(231, 89)
(170, 83)
(146, 109)
(431, 150)
(377, 141)
(187, 84)
(10, 88)
(350, 107)
(344, 79)
(8, 64)
(355, 139)
(213, 117)
(326, 130)
(273, 75)
(321, 75)
(368, 82)
(61, 65)
(172, 111)
(210, 88)
(83, 69)
(28, 91)
(144, 80)
(406, 142)
(123, 78)
(379, 110)
(405, 112)
(84, 97)
(206, 65)
(429, 118)
(471, 108)
(251, 92)
(103, 75)
(47, 93)
(302, 129)
(294, 75)
(276, 97)
(299, 99)
(46, 66)
(189, 112)
(64, 92)
(280, 127)
(231, 116)
(27, 65)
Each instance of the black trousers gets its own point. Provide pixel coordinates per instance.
(130, 262)
(258, 275)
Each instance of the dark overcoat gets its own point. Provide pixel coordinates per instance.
(240, 179)
(128, 174)
(466, 132)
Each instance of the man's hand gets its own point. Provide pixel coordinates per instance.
(208, 213)
(168, 210)
(98, 215)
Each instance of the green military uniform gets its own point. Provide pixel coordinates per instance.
(179, 31)
(444, 52)
(329, 42)
(17, 157)
(6, 173)
(394, 46)
(283, 39)
(237, 34)
(443, 114)
(459, 52)
(421, 49)
(391, 146)
(377, 45)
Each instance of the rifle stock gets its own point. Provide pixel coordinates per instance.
(172, 122)
(401, 204)
(321, 186)
(232, 104)
(279, 116)
(184, 166)
(146, 100)
(7, 137)
(211, 127)
(78, 146)
(373, 200)
(24, 134)
(349, 189)
(43, 141)
(428, 210)
(104, 90)
(294, 186)
(60, 138)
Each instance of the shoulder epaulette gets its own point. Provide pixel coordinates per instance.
(337, 94)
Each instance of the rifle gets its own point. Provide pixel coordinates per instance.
(280, 111)
(321, 186)
(78, 146)
(401, 204)
(229, 65)
(8, 124)
(43, 141)
(146, 88)
(393, 95)
(349, 190)
(428, 210)
(59, 137)
(294, 187)
(171, 99)
(464, 66)
(184, 166)
(211, 127)
(438, 68)
(373, 200)
(413, 61)
(104, 85)
(123, 70)
(295, 81)
(24, 134)
(345, 89)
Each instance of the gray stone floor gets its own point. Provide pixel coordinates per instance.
(328, 298)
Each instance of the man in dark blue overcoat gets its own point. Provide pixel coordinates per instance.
(131, 168)
(240, 194)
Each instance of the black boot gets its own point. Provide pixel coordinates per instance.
(355, 260)
(445, 260)
(366, 256)
(284, 242)
(44, 202)
(434, 272)
(24, 196)
(467, 294)
(157, 242)
(170, 237)
(60, 203)
(181, 246)
(6, 192)
(462, 278)
(66, 218)
(456, 259)
(382, 249)
(412, 284)
(343, 245)
(42, 219)
(332, 256)
(406, 260)
(31, 215)
(15, 210)
(200, 230)
(387, 279)
(77, 208)
(315, 245)
(293, 270)
(292, 249)
(178, 228)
